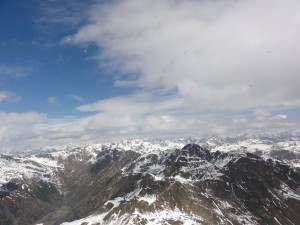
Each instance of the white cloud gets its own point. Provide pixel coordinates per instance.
(279, 117)
(8, 96)
(109, 126)
(28, 117)
(218, 55)
(17, 129)
(136, 104)
(142, 115)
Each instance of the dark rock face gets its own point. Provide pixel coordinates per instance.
(104, 159)
(23, 207)
(193, 150)
(107, 157)
(205, 187)
(7, 188)
(259, 186)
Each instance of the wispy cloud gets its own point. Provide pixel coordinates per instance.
(8, 96)
(43, 42)
(63, 12)
(76, 97)
(16, 71)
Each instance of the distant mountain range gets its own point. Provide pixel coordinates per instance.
(248, 179)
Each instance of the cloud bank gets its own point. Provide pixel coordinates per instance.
(33, 130)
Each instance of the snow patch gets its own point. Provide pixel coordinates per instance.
(150, 199)
(287, 192)
(153, 218)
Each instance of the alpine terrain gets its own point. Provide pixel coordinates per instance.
(249, 179)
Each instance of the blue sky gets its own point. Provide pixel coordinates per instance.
(88, 71)
(41, 67)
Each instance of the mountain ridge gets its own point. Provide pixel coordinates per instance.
(172, 183)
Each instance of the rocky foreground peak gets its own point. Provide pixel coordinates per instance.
(187, 185)
(194, 150)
